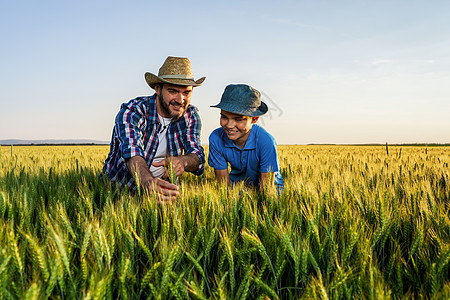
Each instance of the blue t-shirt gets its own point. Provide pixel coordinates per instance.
(258, 156)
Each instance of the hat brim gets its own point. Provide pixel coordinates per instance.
(250, 112)
(152, 80)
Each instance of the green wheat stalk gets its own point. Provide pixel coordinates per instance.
(172, 174)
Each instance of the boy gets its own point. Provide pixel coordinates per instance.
(249, 149)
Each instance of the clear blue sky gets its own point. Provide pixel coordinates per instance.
(331, 71)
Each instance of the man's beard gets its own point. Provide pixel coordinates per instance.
(165, 108)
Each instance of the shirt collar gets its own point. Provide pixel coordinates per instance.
(249, 144)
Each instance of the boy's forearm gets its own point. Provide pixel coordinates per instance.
(267, 179)
(222, 176)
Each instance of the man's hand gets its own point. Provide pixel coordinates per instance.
(164, 191)
(180, 164)
(177, 166)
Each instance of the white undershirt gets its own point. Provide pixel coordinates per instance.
(161, 151)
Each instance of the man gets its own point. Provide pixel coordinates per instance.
(249, 149)
(150, 132)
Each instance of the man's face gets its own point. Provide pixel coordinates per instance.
(237, 127)
(172, 100)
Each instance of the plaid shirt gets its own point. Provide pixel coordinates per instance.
(135, 133)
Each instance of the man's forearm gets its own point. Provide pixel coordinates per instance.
(138, 169)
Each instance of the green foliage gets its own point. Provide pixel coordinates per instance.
(353, 222)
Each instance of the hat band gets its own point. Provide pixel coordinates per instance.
(176, 77)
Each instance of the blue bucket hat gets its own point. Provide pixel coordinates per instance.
(243, 100)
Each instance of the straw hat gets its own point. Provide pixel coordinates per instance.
(243, 100)
(175, 70)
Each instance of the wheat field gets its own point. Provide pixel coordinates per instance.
(367, 222)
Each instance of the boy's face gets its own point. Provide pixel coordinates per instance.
(237, 127)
